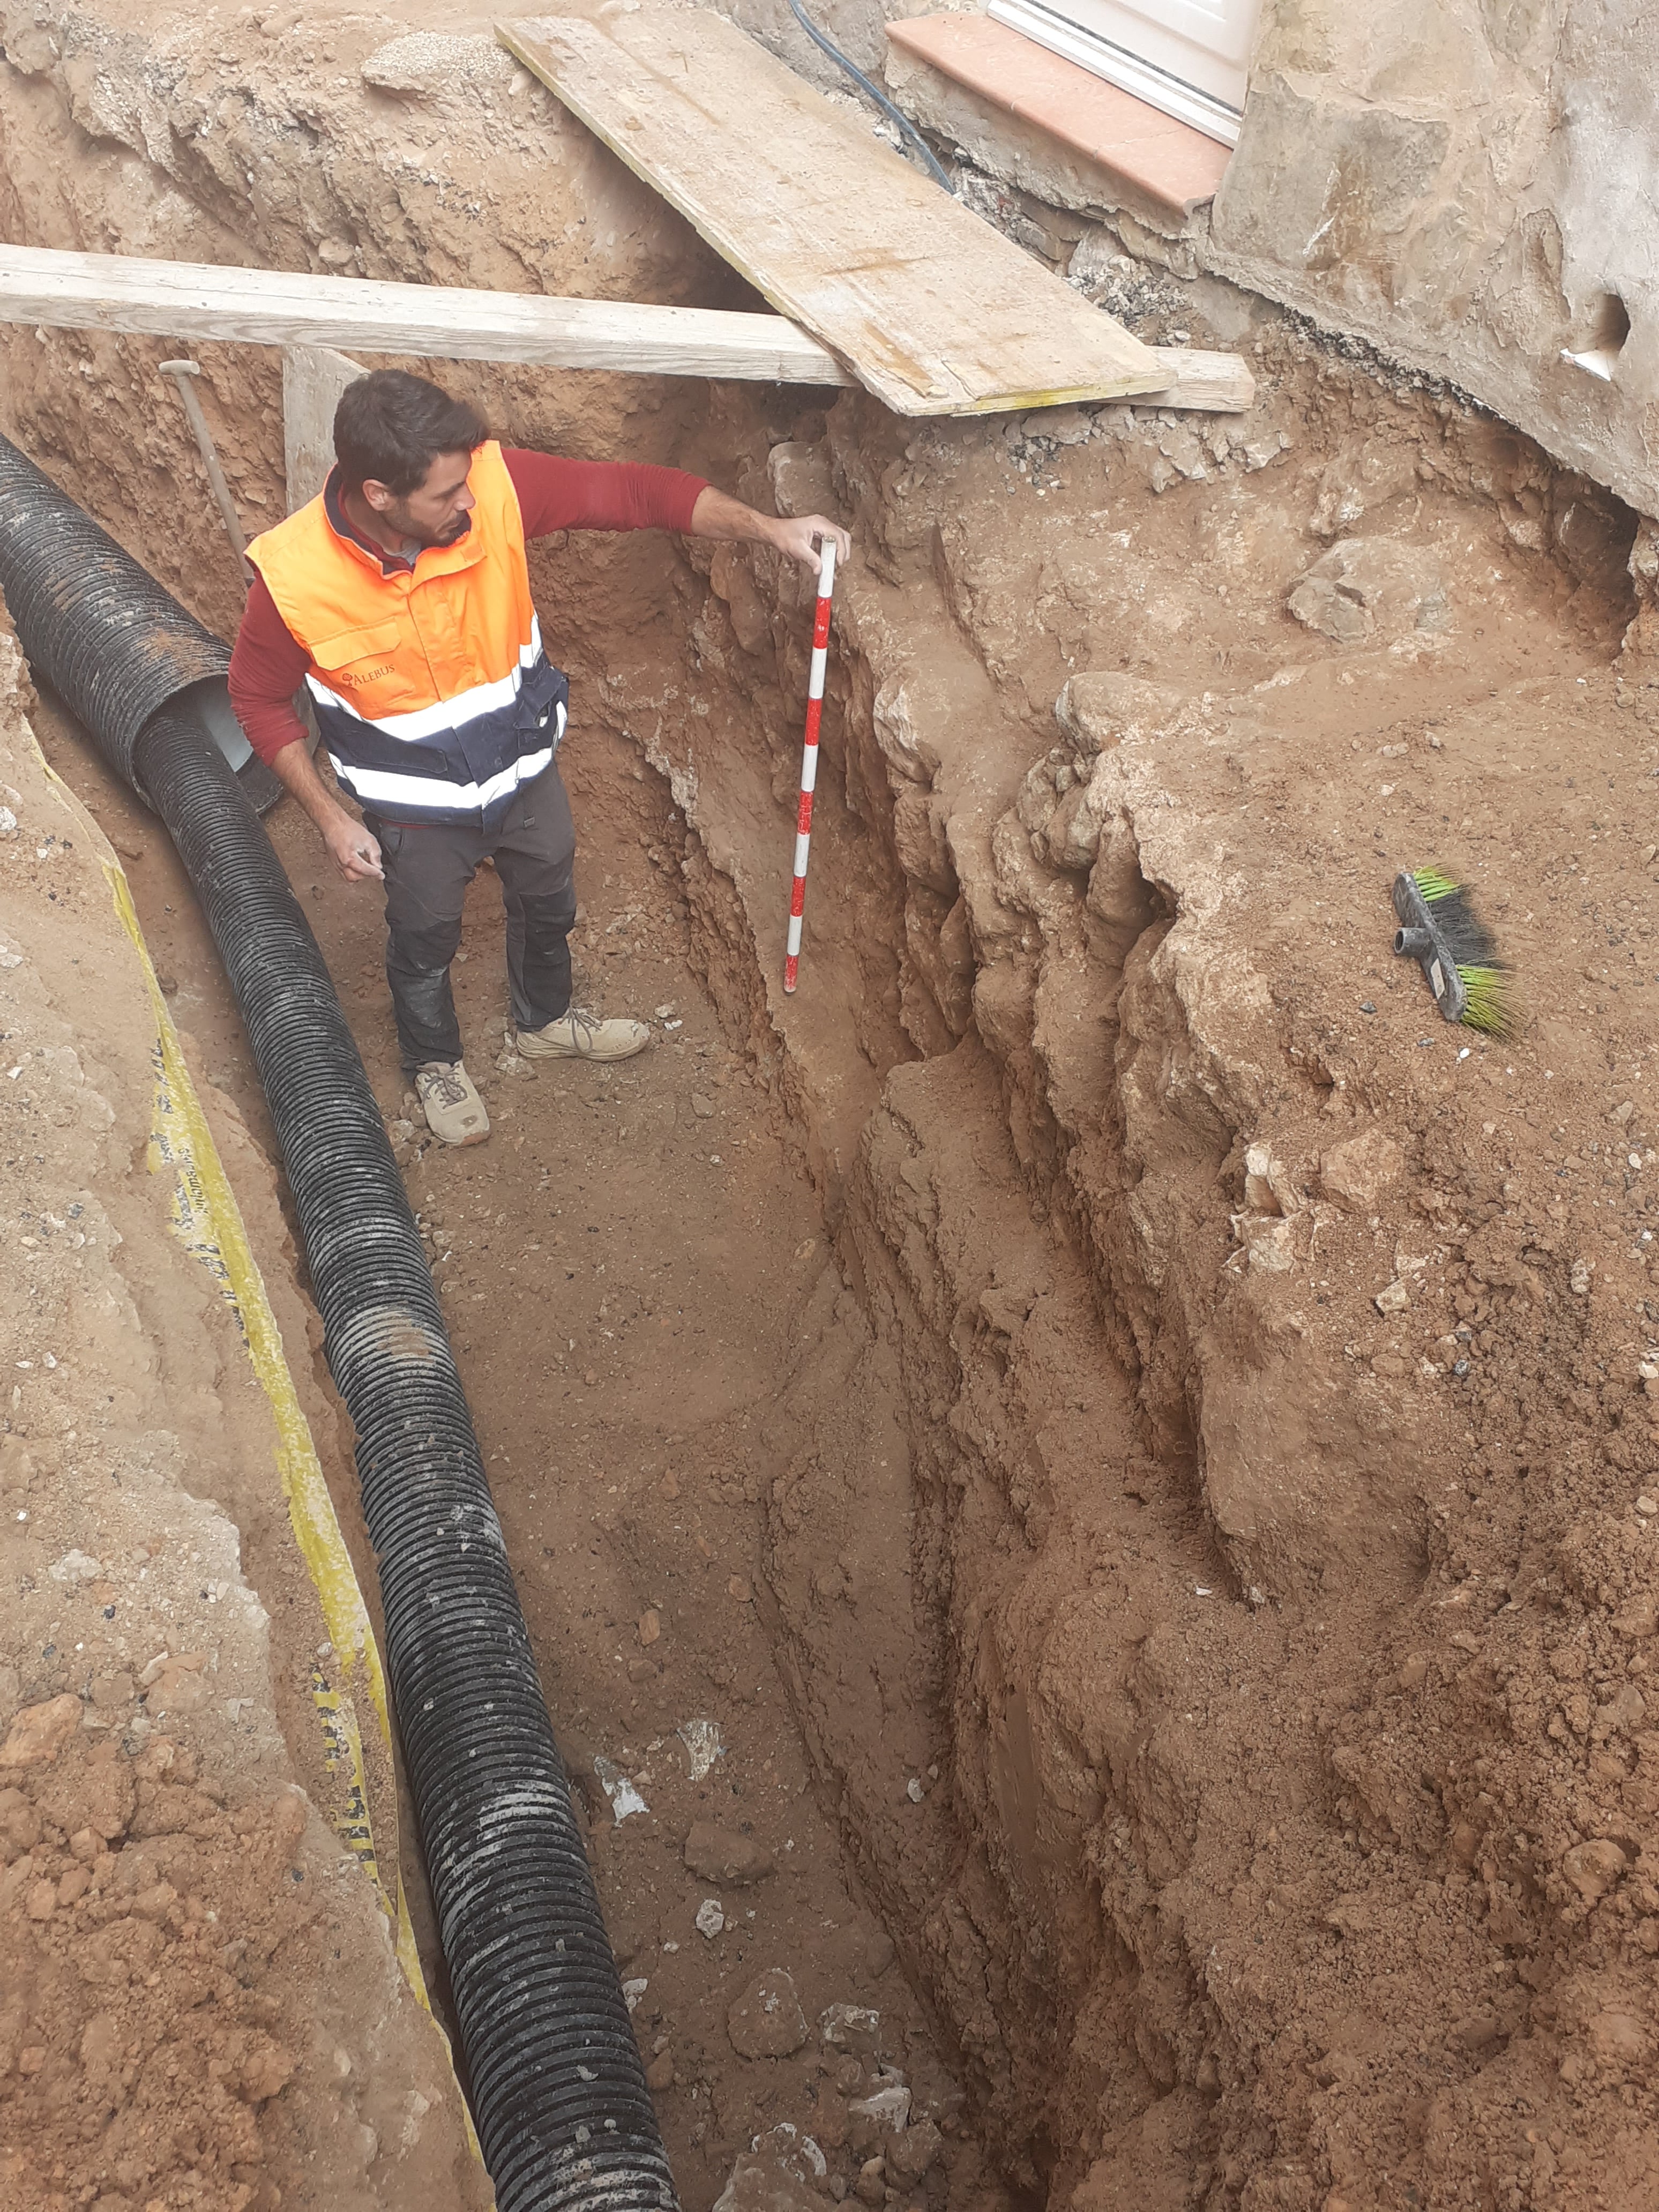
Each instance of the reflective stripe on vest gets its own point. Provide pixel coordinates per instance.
(433, 695)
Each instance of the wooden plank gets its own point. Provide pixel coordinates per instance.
(314, 377)
(269, 307)
(938, 313)
(1204, 383)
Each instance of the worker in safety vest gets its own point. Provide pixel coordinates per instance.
(400, 597)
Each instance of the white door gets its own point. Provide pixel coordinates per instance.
(1188, 57)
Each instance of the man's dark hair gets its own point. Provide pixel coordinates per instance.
(389, 426)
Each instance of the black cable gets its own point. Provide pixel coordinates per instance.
(874, 91)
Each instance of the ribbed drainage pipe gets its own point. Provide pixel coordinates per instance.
(559, 2089)
(114, 645)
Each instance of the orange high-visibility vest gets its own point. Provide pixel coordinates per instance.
(433, 697)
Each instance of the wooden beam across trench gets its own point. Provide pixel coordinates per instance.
(278, 307)
(274, 307)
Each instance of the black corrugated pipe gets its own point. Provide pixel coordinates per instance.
(116, 645)
(558, 2088)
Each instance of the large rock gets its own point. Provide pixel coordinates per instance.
(1072, 835)
(906, 717)
(776, 2173)
(1100, 707)
(723, 1854)
(871, 2121)
(767, 2020)
(1595, 1868)
(39, 1732)
(432, 64)
(1358, 1172)
(1269, 1243)
(911, 2156)
(1367, 588)
(851, 2027)
(1351, 483)
(801, 480)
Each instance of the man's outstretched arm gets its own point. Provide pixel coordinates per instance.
(556, 493)
(716, 514)
(351, 846)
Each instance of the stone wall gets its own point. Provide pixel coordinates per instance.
(1466, 186)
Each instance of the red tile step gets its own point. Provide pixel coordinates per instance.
(1173, 165)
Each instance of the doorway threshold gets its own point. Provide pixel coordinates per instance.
(1109, 149)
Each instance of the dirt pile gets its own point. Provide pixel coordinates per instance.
(182, 1939)
(138, 2029)
(1250, 1371)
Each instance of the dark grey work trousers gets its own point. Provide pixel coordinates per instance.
(428, 868)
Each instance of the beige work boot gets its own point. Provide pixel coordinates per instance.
(454, 1112)
(576, 1036)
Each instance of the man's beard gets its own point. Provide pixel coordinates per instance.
(401, 520)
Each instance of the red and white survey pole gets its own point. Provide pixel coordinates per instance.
(809, 759)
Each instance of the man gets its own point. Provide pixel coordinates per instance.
(401, 598)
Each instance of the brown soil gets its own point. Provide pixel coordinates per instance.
(989, 1391)
(197, 1999)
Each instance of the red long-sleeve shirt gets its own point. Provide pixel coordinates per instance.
(269, 664)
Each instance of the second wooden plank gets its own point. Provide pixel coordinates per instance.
(936, 312)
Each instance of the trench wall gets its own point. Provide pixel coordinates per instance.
(1194, 1747)
(1125, 1883)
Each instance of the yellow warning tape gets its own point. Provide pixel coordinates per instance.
(342, 1746)
(209, 1223)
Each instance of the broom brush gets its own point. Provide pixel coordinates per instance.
(1440, 930)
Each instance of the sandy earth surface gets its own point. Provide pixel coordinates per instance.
(198, 2002)
(1134, 1432)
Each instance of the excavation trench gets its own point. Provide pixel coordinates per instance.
(636, 1276)
(1101, 1400)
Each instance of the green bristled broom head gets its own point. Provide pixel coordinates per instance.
(1490, 999)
